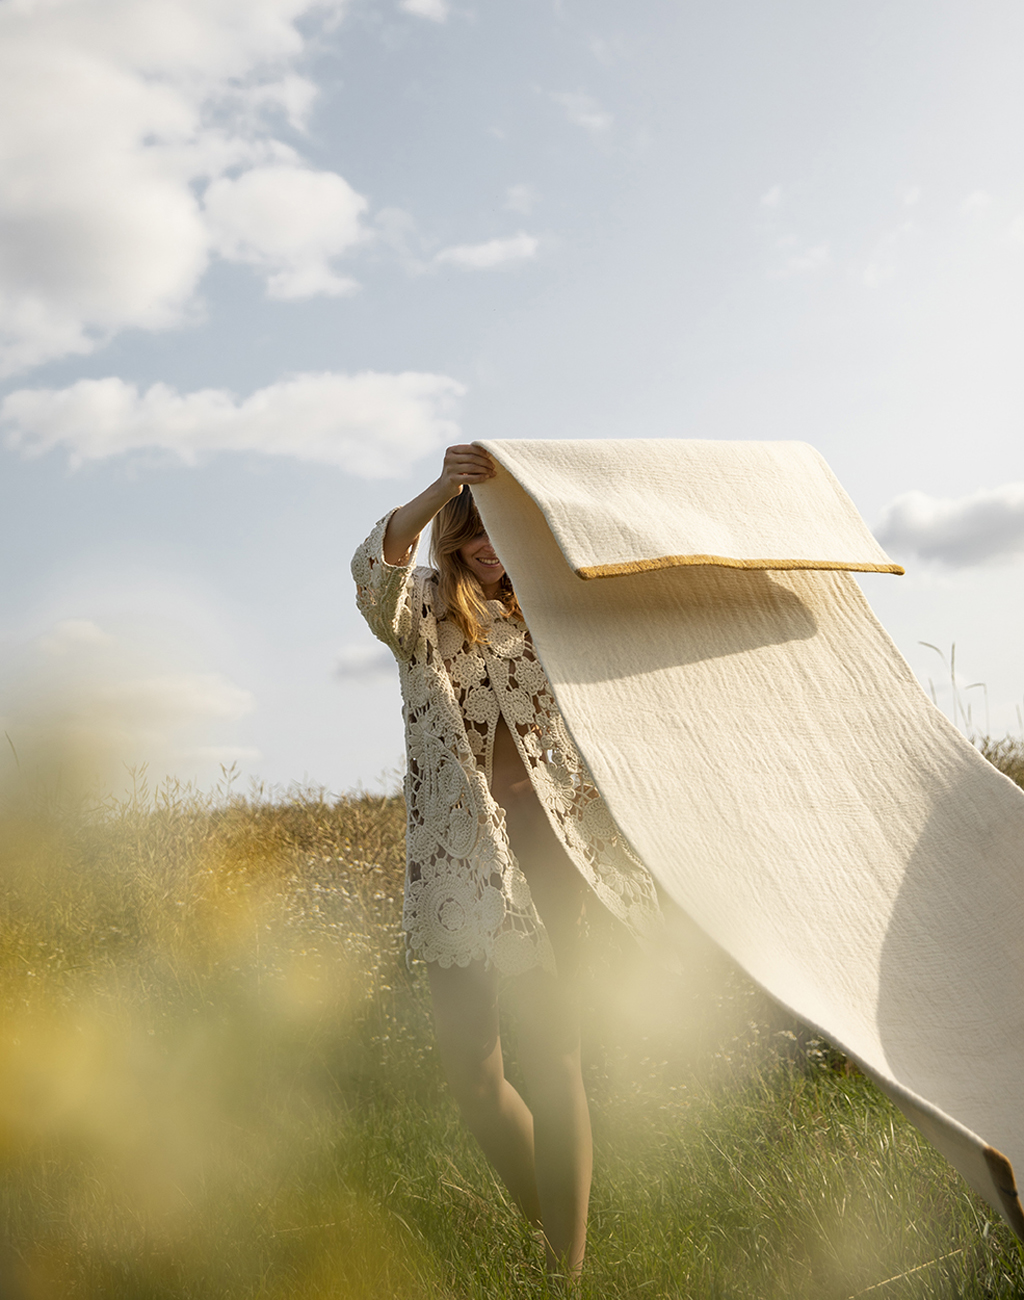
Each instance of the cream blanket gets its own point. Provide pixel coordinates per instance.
(771, 757)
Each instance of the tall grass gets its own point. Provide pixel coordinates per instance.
(217, 1080)
(1006, 754)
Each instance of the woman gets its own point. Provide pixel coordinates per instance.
(506, 836)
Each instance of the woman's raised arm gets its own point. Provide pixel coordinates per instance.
(462, 464)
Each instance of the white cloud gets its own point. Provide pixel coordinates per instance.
(397, 230)
(71, 635)
(85, 705)
(608, 50)
(364, 662)
(800, 261)
(772, 198)
(520, 198)
(435, 10)
(113, 116)
(495, 252)
(583, 110)
(291, 95)
(175, 698)
(369, 424)
(977, 529)
(976, 201)
(289, 221)
(885, 258)
(222, 755)
(912, 196)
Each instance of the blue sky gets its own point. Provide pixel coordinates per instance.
(260, 260)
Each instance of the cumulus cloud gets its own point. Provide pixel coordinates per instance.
(583, 110)
(181, 696)
(369, 424)
(114, 116)
(86, 704)
(984, 527)
(291, 223)
(494, 252)
(435, 10)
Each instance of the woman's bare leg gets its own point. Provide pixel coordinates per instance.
(466, 1020)
(548, 1044)
(544, 1158)
(548, 1038)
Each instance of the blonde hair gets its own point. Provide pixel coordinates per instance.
(461, 597)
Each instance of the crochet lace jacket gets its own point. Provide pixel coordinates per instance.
(466, 897)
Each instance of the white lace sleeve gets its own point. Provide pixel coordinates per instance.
(384, 593)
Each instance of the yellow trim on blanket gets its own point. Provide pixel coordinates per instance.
(727, 562)
(1002, 1175)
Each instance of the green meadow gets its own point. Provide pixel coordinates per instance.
(217, 1082)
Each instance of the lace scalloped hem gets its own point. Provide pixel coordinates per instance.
(510, 953)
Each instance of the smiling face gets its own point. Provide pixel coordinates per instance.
(478, 556)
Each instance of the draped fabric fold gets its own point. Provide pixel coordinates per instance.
(767, 751)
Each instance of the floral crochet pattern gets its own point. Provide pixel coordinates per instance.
(466, 897)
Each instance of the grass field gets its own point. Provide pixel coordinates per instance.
(217, 1080)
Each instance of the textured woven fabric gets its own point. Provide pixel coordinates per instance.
(768, 753)
(777, 506)
(466, 897)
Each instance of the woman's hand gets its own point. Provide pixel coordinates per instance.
(462, 464)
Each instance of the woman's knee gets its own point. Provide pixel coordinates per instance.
(475, 1085)
(547, 1011)
(548, 1043)
(466, 1026)
(550, 1069)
